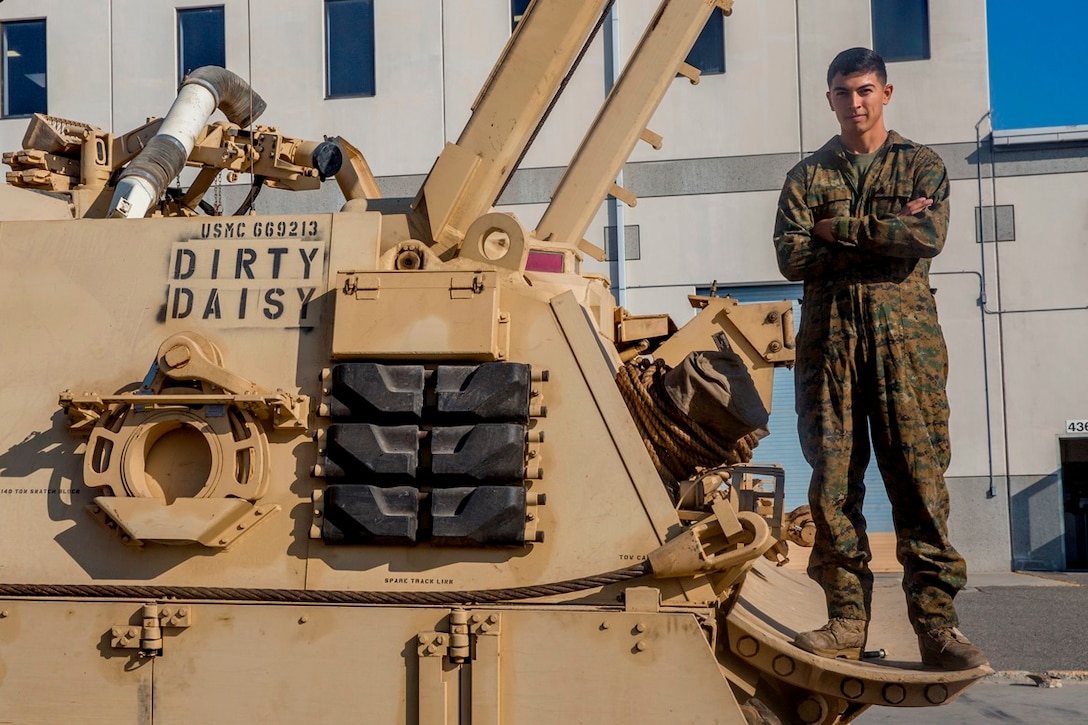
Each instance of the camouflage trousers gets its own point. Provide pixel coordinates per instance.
(872, 367)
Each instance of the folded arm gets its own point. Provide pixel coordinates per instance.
(916, 230)
(801, 255)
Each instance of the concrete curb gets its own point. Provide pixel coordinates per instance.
(1050, 678)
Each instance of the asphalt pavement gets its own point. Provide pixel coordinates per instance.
(1033, 628)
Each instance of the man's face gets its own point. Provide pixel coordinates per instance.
(858, 101)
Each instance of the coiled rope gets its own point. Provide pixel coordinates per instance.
(678, 446)
(305, 596)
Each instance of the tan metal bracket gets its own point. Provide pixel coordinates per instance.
(642, 599)
(587, 247)
(318, 498)
(432, 649)
(532, 516)
(363, 288)
(213, 522)
(690, 72)
(456, 644)
(464, 286)
(625, 195)
(283, 410)
(473, 641)
(486, 669)
(705, 548)
(489, 623)
(654, 139)
(147, 637)
(433, 644)
(191, 356)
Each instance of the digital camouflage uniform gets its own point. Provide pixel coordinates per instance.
(870, 354)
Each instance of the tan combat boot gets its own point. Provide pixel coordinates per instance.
(948, 649)
(838, 638)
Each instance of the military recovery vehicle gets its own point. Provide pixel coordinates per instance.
(403, 463)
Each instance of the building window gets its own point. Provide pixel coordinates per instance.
(708, 53)
(349, 48)
(24, 68)
(901, 29)
(517, 10)
(201, 39)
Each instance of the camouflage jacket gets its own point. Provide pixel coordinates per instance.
(872, 244)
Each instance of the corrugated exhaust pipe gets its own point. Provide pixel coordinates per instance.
(202, 91)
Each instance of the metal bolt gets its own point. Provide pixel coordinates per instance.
(222, 542)
(476, 618)
(640, 646)
(423, 639)
(241, 527)
(605, 625)
(303, 619)
(317, 514)
(809, 710)
(492, 618)
(166, 612)
(640, 627)
(429, 650)
(130, 634)
(775, 346)
(183, 612)
(4, 613)
(440, 639)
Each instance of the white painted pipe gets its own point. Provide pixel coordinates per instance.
(136, 191)
(165, 155)
(132, 198)
(188, 115)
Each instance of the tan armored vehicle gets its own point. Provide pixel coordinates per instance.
(396, 464)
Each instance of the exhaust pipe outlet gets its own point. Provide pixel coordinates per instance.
(202, 91)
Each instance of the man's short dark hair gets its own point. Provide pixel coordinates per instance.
(857, 60)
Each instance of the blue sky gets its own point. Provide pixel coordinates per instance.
(1038, 63)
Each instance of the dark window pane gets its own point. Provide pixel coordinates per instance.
(24, 68)
(708, 53)
(517, 9)
(200, 39)
(901, 29)
(349, 48)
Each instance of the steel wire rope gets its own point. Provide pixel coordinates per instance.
(307, 596)
(678, 446)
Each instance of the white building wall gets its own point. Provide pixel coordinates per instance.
(750, 109)
(78, 61)
(935, 101)
(1037, 283)
(112, 64)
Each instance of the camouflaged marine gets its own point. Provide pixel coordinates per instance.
(858, 222)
